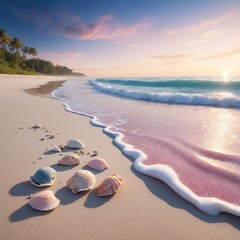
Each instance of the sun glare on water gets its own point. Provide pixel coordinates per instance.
(225, 76)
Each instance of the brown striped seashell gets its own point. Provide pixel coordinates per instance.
(82, 180)
(109, 186)
(69, 160)
(98, 164)
(44, 201)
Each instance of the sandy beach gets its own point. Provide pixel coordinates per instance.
(144, 208)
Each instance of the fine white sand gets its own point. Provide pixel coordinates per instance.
(144, 208)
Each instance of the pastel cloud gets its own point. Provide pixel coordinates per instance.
(61, 54)
(175, 59)
(106, 27)
(203, 25)
(204, 37)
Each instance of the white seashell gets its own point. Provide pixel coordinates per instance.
(37, 125)
(82, 180)
(98, 164)
(44, 201)
(109, 186)
(56, 149)
(75, 143)
(69, 160)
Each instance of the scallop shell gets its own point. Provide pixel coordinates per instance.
(75, 143)
(70, 160)
(98, 164)
(82, 180)
(44, 201)
(109, 186)
(56, 149)
(43, 177)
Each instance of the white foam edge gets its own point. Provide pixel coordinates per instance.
(209, 205)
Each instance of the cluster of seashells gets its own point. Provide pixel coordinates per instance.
(82, 180)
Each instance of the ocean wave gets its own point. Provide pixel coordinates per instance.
(177, 83)
(168, 97)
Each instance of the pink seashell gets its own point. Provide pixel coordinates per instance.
(109, 186)
(44, 201)
(69, 160)
(98, 164)
(82, 180)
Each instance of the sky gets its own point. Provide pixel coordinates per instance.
(130, 38)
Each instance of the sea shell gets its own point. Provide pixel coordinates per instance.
(98, 164)
(109, 186)
(43, 177)
(75, 143)
(37, 125)
(44, 201)
(56, 149)
(82, 180)
(70, 160)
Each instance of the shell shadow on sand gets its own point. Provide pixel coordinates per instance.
(23, 189)
(26, 212)
(86, 167)
(93, 201)
(65, 150)
(67, 197)
(61, 168)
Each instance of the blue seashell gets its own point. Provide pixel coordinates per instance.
(43, 177)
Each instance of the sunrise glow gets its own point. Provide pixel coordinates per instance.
(105, 38)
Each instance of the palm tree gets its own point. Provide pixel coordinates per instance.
(25, 50)
(5, 39)
(33, 52)
(16, 45)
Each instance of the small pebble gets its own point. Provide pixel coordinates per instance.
(34, 162)
(42, 139)
(36, 126)
(94, 155)
(95, 151)
(41, 157)
(30, 196)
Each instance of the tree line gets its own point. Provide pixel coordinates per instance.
(15, 57)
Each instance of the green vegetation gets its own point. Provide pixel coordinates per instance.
(13, 59)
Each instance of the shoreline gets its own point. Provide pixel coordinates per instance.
(210, 205)
(129, 214)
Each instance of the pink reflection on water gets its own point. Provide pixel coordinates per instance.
(201, 144)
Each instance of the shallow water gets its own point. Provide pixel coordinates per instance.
(199, 143)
